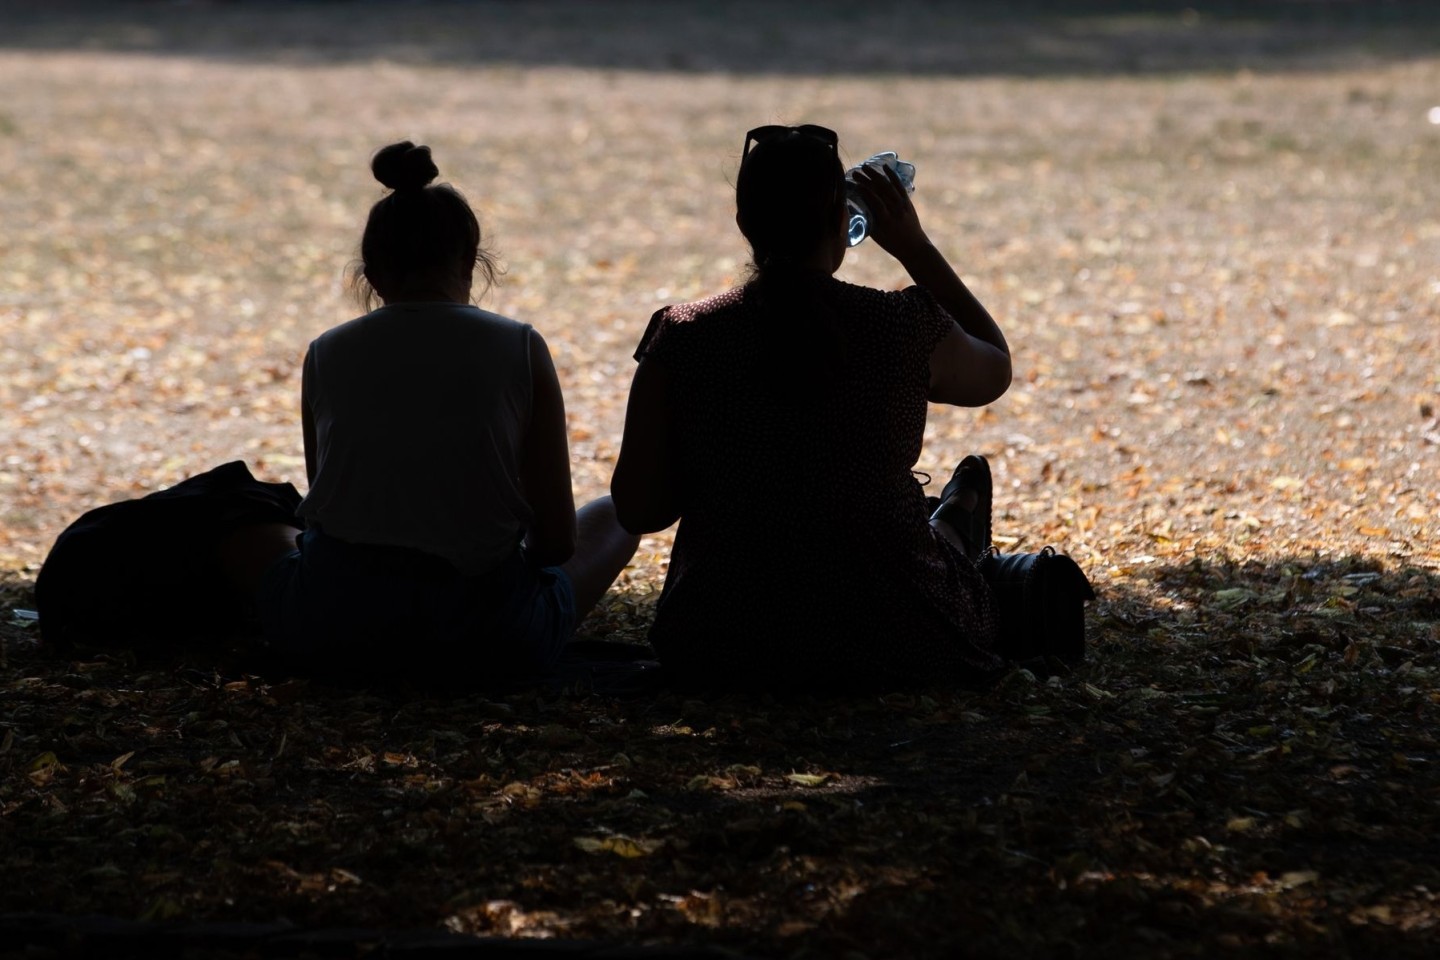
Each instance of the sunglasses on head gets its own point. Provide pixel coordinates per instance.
(776, 131)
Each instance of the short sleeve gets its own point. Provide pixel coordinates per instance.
(654, 334)
(923, 313)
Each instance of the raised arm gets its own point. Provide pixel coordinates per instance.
(970, 366)
(545, 464)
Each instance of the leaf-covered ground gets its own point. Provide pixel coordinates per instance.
(1214, 241)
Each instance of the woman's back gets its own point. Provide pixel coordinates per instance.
(771, 389)
(429, 403)
(779, 423)
(443, 541)
(804, 542)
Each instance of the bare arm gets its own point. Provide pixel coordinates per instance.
(643, 486)
(307, 426)
(545, 464)
(970, 366)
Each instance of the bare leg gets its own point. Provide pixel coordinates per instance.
(602, 549)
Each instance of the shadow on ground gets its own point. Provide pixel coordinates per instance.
(1248, 758)
(985, 37)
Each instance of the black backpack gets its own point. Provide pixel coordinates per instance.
(144, 573)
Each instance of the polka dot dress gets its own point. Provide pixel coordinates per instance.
(804, 555)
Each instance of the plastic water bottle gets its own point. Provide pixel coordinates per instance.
(859, 213)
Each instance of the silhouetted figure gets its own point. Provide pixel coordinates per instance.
(779, 422)
(442, 541)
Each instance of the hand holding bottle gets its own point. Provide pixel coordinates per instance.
(977, 365)
(891, 217)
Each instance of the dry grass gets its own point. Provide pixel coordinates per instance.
(1221, 288)
(1221, 285)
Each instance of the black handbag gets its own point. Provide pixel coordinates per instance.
(1041, 598)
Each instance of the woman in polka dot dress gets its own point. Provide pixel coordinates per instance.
(779, 422)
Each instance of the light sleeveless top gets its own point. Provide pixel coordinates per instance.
(419, 412)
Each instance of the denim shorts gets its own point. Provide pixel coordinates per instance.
(356, 612)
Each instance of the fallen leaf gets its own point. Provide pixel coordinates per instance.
(622, 846)
(808, 779)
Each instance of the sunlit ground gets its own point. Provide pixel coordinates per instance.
(1221, 288)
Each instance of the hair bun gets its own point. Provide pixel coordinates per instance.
(404, 166)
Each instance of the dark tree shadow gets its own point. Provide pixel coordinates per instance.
(924, 37)
(1247, 760)
(1248, 757)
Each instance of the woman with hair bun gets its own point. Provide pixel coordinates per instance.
(779, 423)
(442, 543)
